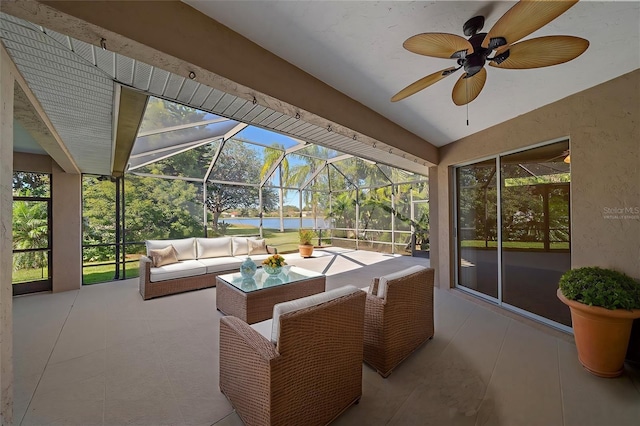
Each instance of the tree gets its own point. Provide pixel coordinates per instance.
(155, 208)
(162, 208)
(27, 184)
(237, 163)
(272, 156)
(30, 230)
(301, 172)
(344, 210)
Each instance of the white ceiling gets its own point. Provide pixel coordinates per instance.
(356, 47)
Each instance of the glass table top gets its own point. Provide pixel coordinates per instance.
(262, 280)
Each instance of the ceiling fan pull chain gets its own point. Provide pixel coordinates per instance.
(466, 86)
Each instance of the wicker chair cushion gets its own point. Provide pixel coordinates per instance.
(264, 328)
(382, 283)
(213, 247)
(185, 247)
(163, 256)
(305, 302)
(240, 245)
(182, 269)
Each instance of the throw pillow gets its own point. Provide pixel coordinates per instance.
(257, 246)
(165, 256)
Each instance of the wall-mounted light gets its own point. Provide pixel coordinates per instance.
(192, 75)
(103, 43)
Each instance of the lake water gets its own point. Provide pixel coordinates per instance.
(273, 222)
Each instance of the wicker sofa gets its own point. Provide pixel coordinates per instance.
(303, 367)
(199, 261)
(398, 317)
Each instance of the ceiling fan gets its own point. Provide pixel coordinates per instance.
(522, 19)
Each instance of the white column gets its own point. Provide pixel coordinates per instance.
(6, 202)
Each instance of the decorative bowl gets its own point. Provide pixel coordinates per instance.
(272, 270)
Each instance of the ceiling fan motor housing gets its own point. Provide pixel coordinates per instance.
(473, 63)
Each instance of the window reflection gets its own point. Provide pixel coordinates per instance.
(477, 228)
(535, 229)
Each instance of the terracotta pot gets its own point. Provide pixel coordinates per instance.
(305, 250)
(601, 335)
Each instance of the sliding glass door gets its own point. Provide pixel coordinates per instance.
(535, 229)
(476, 228)
(513, 229)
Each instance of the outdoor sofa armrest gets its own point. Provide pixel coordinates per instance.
(145, 274)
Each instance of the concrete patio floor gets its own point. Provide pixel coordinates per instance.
(103, 356)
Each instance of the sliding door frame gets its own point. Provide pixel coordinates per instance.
(497, 301)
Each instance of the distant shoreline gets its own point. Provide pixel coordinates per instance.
(273, 222)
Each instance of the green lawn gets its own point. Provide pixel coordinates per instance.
(103, 273)
(26, 275)
(285, 242)
(515, 244)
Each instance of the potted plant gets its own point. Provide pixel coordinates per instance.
(306, 246)
(603, 305)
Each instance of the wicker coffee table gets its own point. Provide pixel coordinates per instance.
(252, 299)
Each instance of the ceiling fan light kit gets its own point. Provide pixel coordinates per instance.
(502, 41)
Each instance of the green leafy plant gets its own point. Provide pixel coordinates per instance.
(596, 286)
(306, 236)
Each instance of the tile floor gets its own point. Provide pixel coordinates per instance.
(103, 356)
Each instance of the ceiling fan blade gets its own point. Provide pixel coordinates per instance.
(525, 17)
(467, 89)
(543, 52)
(423, 83)
(438, 45)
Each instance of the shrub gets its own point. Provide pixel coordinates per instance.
(595, 286)
(306, 235)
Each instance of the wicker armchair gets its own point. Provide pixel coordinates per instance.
(309, 377)
(400, 320)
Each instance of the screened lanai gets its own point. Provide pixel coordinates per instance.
(192, 172)
(263, 171)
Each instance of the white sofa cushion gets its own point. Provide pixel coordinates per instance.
(258, 258)
(219, 264)
(305, 302)
(185, 247)
(240, 246)
(182, 269)
(383, 280)
(213, 247)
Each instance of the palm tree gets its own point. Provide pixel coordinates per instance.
(30, 230)
(272, 156)
(311, 162)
